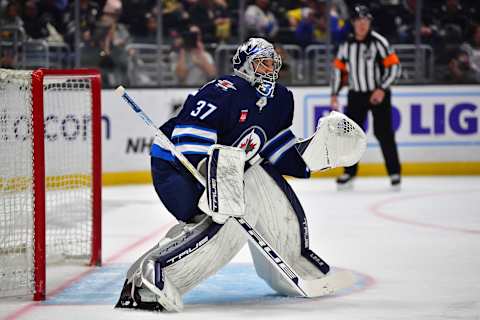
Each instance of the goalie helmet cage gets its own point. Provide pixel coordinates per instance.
(50, 174)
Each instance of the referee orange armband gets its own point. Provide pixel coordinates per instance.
(337, 63)
(390, 60)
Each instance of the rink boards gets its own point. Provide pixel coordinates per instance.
(437, 129)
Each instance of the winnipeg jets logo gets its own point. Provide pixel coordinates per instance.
(225, 85)
(251, 140)
(248, 145)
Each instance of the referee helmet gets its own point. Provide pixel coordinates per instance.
(361, 11)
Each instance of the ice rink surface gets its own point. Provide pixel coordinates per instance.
(415, 254)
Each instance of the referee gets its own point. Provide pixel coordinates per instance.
(371, 66)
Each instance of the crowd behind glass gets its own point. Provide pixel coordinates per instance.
(109, 34)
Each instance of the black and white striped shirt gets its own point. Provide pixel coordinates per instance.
(370, 64)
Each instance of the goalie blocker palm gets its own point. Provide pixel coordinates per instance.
(338, 142)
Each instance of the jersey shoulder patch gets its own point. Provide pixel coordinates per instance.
(225, 85)
(231, 83)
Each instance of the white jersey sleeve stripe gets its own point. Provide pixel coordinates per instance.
(278, 153)
(194, 131)
(276, 137)
(193, 148)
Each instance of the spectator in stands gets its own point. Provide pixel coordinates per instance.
(38, 25)
(89, 13)
(296, 15)
(341, 9)
(10, 18)
(260, 21)
(222, 21)
(192, 64)
(452, 22)
(211, 16)
(53, 11)
(310, 23)
(134, 14)
(35, 25)
(465, 66)
(144, 29)
(107, 48)
(174, 16)
(405, 22)
(11, 24)
(149, 32)
(385, 15)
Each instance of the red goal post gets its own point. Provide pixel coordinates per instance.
(50, 174)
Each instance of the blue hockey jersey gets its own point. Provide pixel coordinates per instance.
(229, 111)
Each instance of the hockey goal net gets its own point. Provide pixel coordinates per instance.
(50, 174)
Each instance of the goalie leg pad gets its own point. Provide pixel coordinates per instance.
(186, 256)
(283, 224)
(147, 286)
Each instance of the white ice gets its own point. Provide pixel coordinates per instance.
(416, 254)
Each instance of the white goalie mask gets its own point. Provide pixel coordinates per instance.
(248, 59)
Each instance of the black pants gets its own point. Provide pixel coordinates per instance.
(357, 110)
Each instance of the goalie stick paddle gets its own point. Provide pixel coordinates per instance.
(306, 288)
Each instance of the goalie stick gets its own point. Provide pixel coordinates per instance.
(305, 287)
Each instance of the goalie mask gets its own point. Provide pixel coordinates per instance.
(257, 62)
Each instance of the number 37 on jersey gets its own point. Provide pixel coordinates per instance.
(203, 109)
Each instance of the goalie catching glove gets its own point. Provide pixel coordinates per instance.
(224, 194)
(338, 142)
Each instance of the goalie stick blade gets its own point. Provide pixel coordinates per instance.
(328, 285)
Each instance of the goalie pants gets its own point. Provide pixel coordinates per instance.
(177, 188)
(357, 110)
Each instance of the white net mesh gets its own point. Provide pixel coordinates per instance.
(68, 171)
(68, 165)
(16, 189)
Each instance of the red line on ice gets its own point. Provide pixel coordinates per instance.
(377, 211)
